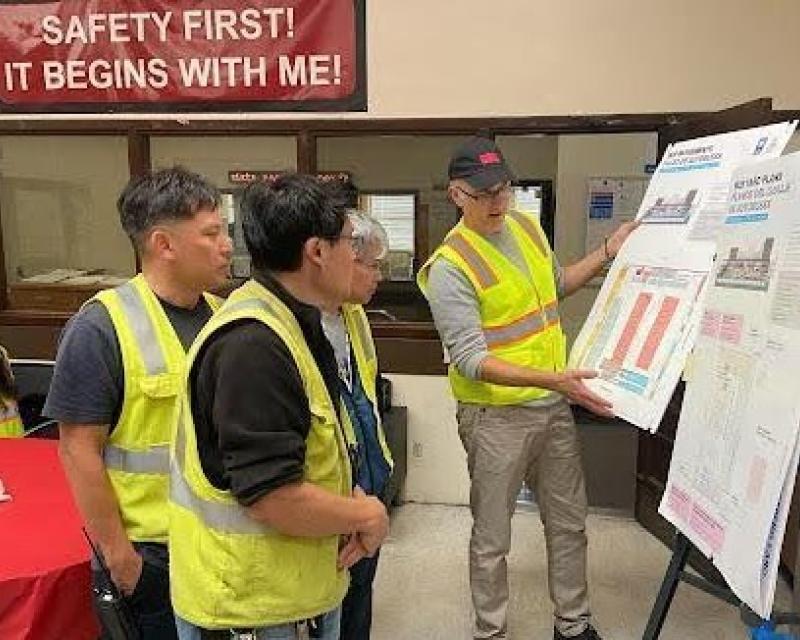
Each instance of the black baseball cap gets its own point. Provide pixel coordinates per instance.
(480, 163)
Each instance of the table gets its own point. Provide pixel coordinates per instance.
(44, 558)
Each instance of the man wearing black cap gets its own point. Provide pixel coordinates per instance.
(493, 288)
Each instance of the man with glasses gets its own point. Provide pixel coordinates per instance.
(264, 520)
(493, 287)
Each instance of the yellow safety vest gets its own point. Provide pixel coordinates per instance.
(226, 569)
(136, 454)
(10, 422)
(358, 329)
(519, 312)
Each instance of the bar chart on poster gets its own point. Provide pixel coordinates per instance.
(645, 319)
(638, 332)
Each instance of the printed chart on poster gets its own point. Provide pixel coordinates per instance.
(647, 311)
(639, 330)
(736, 451)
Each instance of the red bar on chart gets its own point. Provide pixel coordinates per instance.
(657, 331)
(631, 327)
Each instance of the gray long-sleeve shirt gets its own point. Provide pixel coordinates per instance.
(454, 305)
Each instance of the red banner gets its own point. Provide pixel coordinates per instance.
(124, 55)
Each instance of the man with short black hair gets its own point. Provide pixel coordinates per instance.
(265, 521)
(493, 288)
(116, 383)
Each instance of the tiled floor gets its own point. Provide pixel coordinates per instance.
(422, 588)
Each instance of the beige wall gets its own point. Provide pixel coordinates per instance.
(527, 57)
(437, 467)
(58, 197)
(562, 57)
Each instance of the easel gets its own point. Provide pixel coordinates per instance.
(675, 573)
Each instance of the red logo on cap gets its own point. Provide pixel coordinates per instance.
(490, 157)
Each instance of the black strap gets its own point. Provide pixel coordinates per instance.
(215, 634)
(315, 629)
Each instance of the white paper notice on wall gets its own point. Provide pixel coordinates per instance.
(528, 199)
(610, 201)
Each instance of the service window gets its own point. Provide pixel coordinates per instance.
(62, 239)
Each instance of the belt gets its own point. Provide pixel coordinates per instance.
(306, 629)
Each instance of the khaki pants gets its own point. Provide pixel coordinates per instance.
(506, 445)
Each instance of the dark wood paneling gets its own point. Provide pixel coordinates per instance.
(33, 318)
(402, 347)
(609, 461)
(184, 125)
(410, 356)
(138, 153)
(306, 152)
(419, 331)
(743, 116)
(30, 341)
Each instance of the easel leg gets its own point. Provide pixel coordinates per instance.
(680, 555)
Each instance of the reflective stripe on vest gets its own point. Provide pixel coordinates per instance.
(226, 518)
(365, 340)
(518, 316)
(530, 229)
(524, 327)
(155, 459)
(483, 272)
(143, 330)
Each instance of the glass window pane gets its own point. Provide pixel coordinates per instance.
(398, 164)
(396, 213)
(60, 225)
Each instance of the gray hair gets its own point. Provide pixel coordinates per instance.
(372, 241)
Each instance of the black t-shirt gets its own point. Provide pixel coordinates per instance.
(88, 383)
(250, 409)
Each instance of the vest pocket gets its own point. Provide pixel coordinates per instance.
(162, 385)
(322, 464)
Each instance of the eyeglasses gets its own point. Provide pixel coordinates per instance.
(356, 242)
(502, 192)
(373, 265)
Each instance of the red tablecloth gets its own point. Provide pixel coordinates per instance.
(44, 558)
